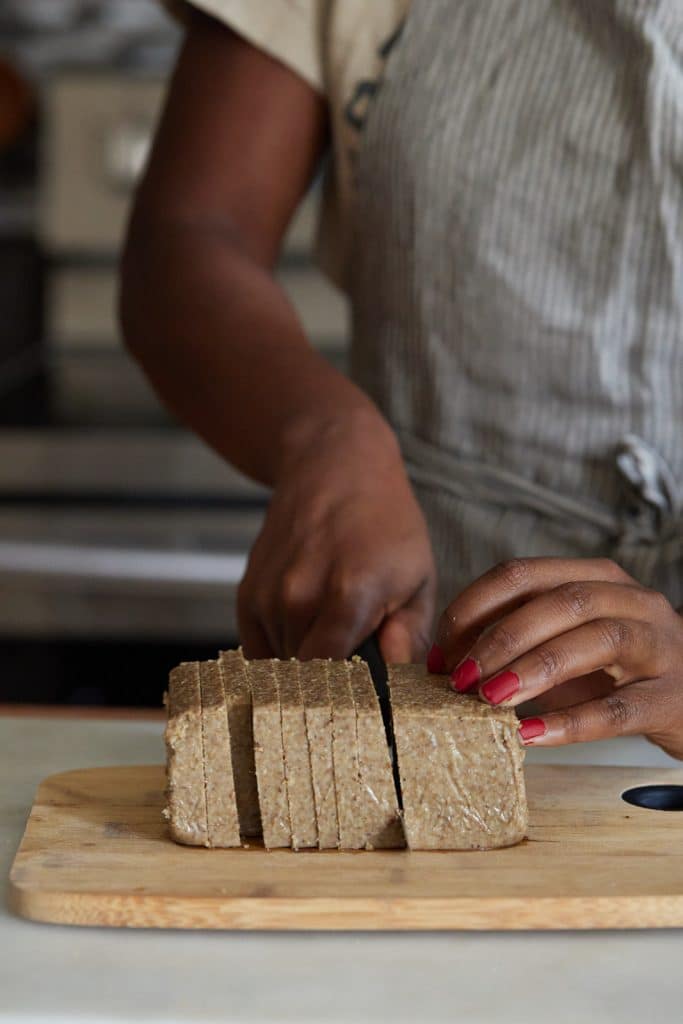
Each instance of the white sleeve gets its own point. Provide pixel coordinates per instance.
(288, 30)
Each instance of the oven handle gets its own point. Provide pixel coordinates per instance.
(112, 563)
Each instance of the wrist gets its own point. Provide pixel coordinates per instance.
(357, 429)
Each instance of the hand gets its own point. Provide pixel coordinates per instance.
(344, 551)
(533, 624)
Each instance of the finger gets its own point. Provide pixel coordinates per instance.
(299, 596)
(350, 612)
(404, 635)
(506, 587)
(624, 648)
(259, 627)
(553, 613)
(253, 637)
(631, 711)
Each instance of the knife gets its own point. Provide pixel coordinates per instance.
(371, 654)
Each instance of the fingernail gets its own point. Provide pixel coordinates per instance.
(501, 687)
(435, 660)
(530, 728)
(466, 675)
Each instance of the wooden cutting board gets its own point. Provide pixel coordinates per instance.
(95, 852)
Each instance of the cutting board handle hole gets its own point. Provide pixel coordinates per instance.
(655, 798)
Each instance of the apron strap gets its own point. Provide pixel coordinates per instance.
(651, 515)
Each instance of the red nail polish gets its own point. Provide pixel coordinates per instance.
(501, 687)
(530, 728)
(466, 675)
(435, 660)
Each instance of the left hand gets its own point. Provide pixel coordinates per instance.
(532, 624)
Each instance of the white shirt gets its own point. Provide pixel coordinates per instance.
(339, 48)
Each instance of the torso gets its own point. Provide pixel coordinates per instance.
(517, 270)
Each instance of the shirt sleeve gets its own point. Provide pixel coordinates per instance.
(288, 30)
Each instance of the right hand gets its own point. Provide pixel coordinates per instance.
(344, 551)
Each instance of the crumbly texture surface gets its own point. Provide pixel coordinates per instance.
(221, 807)
(460, 764)
(186, 790)
(379, 804)
(238, 705)
(269, 755)
(352, 835)
(318, 714)
(297, 759)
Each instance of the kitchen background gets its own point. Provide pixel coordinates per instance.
(122, 537)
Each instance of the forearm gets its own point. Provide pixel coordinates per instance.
(225, 350)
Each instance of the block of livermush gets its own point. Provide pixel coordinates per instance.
(221, 806)
(185, 782)
(240, 727)
(318, 714)
(352, 825)
(379, 803)
(269, 754)
(297, 758)
(460, 763)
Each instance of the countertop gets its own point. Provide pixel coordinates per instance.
(54, 973)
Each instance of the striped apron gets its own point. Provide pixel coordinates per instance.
(517, 279)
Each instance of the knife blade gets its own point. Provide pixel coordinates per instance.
(371, 654)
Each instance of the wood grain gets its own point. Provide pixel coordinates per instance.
(96, 852)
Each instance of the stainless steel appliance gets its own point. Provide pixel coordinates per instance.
(114, 521)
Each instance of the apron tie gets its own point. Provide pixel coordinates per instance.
(649, 519)
(652, 509)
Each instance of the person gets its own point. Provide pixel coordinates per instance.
(504, 208)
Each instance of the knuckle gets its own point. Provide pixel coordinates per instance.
(501, 641)
(572, 726)
(660, 605)
(549, 662)
(610, 570)
(513, 573)
(448, 618)
(576, 599)
(620, 712)
(617, 635)
(347, 589)
(295, 589)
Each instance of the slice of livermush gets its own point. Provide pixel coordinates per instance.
(460, 763)
(297, 759)
(269, 754)
(318, 715)
(352, 828)
(238, 705)
(221, 806)
(185, 787)
(379, 802)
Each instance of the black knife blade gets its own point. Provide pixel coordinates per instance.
(371, 654)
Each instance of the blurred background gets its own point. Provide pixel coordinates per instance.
(122, 536)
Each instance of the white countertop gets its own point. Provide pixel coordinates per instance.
(54, 973)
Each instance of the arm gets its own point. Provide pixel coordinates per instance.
(238, 143)
(344, 549)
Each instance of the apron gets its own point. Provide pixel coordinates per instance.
(517, 279)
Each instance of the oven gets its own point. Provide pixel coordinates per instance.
(118, 528)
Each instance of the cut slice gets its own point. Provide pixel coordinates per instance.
(379, 803)
(221, 808)
(238, 704)
(318, 714)
(352, 835)
(297, 759)
(269, 755)
(186, 789)
(460, 764)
